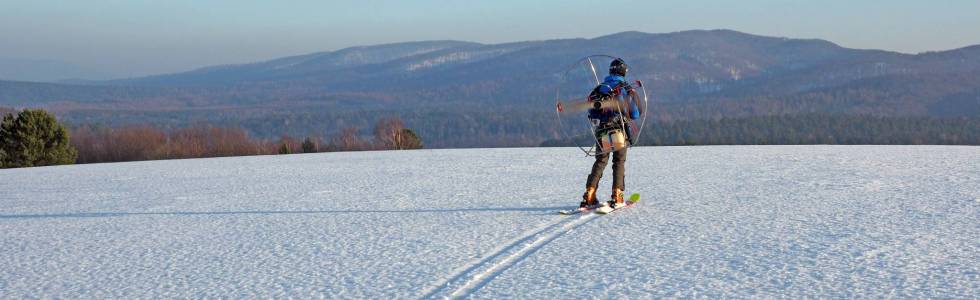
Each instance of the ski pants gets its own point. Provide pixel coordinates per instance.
(619, 169)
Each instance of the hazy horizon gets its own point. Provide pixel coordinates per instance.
(137, 38)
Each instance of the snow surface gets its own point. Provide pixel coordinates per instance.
(742, 221)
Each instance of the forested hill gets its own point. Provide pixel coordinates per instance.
(472, 94)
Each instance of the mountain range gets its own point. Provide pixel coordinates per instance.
(701, 74)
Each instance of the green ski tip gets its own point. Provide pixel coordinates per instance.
(635, 197)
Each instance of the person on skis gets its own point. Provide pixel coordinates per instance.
(613, 100)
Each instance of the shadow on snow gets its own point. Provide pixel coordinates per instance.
(278, 212)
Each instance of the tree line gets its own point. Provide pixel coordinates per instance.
(35, 138)
(145, 142)
(815, 129)
(808, 129)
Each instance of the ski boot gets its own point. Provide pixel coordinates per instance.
(617, 201)
(588, 199)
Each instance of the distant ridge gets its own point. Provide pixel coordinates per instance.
(696, 74)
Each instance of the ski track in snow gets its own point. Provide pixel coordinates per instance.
(714, 222)
(479, 273)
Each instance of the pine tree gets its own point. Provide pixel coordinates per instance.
(34, 138)
(410, 140)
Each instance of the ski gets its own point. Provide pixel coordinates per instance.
(634, 198)
(581, 210)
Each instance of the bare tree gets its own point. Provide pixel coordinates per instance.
(388, 134)
(347, 140)
(138, 142)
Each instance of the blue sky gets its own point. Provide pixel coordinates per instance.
(136, 37)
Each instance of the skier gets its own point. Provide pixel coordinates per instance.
(612, 132)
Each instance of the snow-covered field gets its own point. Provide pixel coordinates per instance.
(745, 221)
